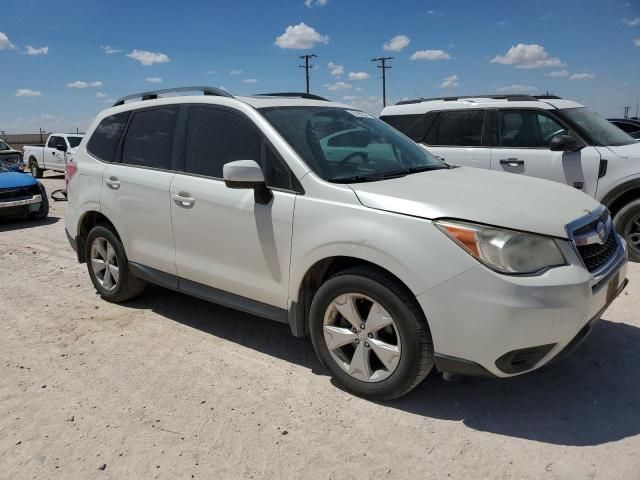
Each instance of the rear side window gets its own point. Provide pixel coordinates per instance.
(105, 138)
(149, 138)
(461, 128)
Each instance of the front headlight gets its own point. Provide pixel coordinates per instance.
(506, 251)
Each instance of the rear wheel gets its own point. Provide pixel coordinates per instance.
(108, 266)
(627, 223)
(369, 332)
(34, 169)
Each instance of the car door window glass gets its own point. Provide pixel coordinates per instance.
(53, 141)
(149, 138)
(105, 138)
(275, 173)
(528, 129)
(460, 128)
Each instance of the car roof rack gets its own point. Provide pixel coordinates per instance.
(508, 98)
(152, 95)
(548, 97)
(308, 96)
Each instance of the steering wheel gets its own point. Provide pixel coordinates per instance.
(548, 138)
(352, 155)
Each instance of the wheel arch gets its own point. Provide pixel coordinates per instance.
(87, 221)
(621, 195)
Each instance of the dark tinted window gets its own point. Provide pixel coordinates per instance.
(149, 138)
(413, 126)
(275, 173)
(53, 141)
(528, 129)
(74, 141)
(627, 127)
(216, 137)
(460, 128)
(105, 138)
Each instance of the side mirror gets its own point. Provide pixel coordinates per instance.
(61, 147)
(247, 174)
(565, 143)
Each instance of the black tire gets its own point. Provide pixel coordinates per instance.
(43, 212)
(416, 359)
(128, 286)
(34, 169)
(627, 223)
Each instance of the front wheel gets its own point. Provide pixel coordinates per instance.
(371, 335)
(627, 223)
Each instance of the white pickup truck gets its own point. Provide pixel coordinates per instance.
(51, 155)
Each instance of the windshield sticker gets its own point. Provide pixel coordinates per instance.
(359, 114)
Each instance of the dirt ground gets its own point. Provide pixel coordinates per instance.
(168, 386)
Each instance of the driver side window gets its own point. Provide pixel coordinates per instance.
(528, 129)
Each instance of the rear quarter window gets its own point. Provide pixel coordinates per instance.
(105, 138)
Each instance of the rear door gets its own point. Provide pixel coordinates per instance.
(459, 138)
(522, 146)
(135, 190)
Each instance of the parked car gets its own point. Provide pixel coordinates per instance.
(390, 259)
(543, 136)
(21, 194)
(60, 147)
(629, 125)
(11, 158)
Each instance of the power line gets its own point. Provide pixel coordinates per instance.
(306, 66)
(383, 66)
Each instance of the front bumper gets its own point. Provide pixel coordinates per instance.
(485, 323)
(20, 205)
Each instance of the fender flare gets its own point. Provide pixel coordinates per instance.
(612, 198)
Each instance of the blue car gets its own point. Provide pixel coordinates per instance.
(21, 194)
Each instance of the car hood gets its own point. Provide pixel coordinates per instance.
(627, 151)
(482, 196)
(16, 180)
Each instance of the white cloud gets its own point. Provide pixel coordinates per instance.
(434, 12)
(349, 97)
(235, 71)
(81, 84)
(637, 42)
(101, 95)
(250, 80)
(153, 79)
(502, 23)
(315, 3)
(109, 50)
(337, 86)
(527, 56)
(27, 92)
(430, 55)
(517, 89)
(397, 43)
(148, 58)
(558, 73)
(300, 36)
(211, 72)
(449, 82)
(359, 89)
(634, 22)
(5, 44)
(358, 76)
(582, 76)
(36, 51)
(336, 70)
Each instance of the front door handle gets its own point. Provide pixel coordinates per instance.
(113, 183)
(184, 200)
(512, 162)
(53, 153)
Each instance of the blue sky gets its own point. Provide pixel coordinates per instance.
(62, 65)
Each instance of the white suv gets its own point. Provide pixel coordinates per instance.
(314, 214)
(541, 136)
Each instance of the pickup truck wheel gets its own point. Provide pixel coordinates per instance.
(109, 268)
(370, 333)
(35, 170)
(43, 211)
(627, 223)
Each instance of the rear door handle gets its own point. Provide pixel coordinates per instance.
(184, 200)
(113, 183)
(512, 162)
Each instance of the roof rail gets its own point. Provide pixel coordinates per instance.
(548, 97)
(509, 98)
(308, 96)
(152, 95)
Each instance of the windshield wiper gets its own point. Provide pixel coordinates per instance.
(371, 178)
(426, 168)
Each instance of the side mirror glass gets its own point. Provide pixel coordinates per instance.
(61, 147)
(247, 174)
(565, 143)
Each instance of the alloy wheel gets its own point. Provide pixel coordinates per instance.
(104, 263)
(632, 233)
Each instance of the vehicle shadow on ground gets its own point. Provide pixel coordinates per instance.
(8, 224)
(590, 398)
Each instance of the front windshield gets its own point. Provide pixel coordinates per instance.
(74, 141)
(601, 131)
(347, 146)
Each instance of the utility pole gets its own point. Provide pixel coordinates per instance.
(626, 112)
(384, 67)
(306, 66)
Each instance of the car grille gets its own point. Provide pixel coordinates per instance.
(9, 195)
(596, 255)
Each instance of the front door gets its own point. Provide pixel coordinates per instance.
(223, 238)
(54, 158)
(524, 136)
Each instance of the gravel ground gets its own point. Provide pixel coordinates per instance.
(168, 386)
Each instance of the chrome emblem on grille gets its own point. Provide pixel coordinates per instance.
(601, 230)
